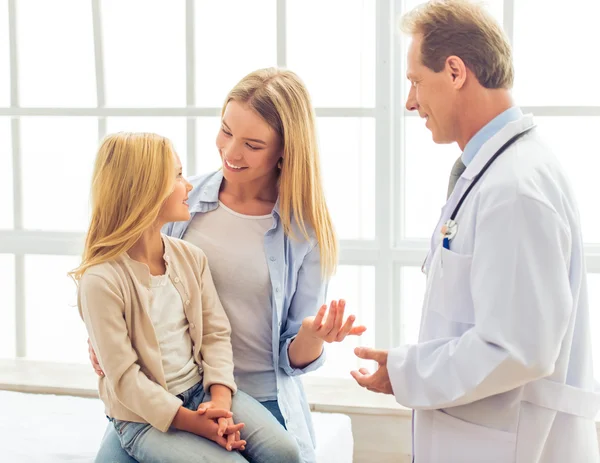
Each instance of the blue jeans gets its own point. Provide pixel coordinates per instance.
(273, 407)
(267, 440)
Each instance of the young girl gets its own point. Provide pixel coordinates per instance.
(156, 324)
(263, 222)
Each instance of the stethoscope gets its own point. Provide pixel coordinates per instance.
(450, 228)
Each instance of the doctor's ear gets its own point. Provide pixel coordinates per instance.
(457, 70)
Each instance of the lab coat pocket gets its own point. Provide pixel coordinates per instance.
(456, 277)
(455, 440)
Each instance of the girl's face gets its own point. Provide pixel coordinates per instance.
(248, 145)
(175, 208)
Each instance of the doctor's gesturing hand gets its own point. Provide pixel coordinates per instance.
(378, 381)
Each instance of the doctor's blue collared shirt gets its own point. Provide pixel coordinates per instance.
(297, 291)
(488, 131)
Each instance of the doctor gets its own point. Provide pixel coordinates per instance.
(503, 368)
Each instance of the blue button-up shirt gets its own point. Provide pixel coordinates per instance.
(297, 291)
(488, 131)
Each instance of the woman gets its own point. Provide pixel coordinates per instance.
(154, 318)
(264, 225)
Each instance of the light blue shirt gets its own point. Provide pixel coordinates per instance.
(488, 131)
(297, 291)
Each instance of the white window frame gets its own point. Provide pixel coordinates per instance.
(388, 252)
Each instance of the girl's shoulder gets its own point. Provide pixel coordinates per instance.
(183, 252)
(111, 275)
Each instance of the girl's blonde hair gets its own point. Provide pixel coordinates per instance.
(133, 175)
(281, 99)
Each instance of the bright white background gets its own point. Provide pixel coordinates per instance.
(73, 70)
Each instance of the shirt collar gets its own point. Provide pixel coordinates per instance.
(488, 131)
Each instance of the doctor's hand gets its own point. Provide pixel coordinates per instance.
(378, 381)
(332, 328)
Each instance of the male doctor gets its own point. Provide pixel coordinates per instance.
(502, 371)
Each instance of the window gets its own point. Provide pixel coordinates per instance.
(166, 66)
(229, 46)
(7, 314)
(144, 53)
(55, 193)
(337, 58)
(356, 285)
(411, 289)
(4, 55)
(55, 70)
(347, 146)
(6, 179)
(54, 330)
(565, 31)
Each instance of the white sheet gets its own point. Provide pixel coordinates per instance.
(49, 429)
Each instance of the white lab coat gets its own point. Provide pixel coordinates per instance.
(503, 368)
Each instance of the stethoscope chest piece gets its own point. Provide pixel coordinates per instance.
(448, 231)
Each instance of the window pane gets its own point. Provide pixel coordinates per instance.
(594, 293)
(567, 31)
(6, 177)
(427, 169)
(356, 285)
(56, 53)
(4, 55)
(347, 147)
(7, 306)
(336, 59)
(55, 332)
(233, 38)
(57, 162)
(574, 141)
(207, 155)
(412, 290)
(144, 52)
(174, 128)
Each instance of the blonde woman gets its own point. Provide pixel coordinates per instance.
(156, 323)
(264, 225)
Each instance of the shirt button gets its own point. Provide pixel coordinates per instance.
(176, 280)
(192, 326)
(272, 258)
(187, 302)
(166, 257)
(277, 289)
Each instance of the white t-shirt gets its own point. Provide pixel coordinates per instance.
(171, 327)
(234, 246)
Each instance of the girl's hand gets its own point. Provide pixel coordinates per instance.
(204, 423)
(227, 429)
(94, 360)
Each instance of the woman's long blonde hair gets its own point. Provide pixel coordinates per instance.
(133, 175)
(281, 99)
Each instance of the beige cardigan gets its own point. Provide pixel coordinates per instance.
(114, 298)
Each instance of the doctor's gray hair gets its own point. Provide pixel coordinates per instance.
(464, 29)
